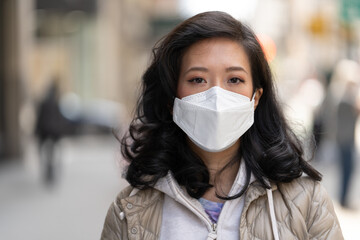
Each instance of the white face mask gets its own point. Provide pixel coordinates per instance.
(214, 119)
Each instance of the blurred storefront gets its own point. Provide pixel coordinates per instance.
(89, 49)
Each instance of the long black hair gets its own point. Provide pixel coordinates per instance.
(155, 144)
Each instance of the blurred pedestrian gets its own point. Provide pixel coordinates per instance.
(210, 153)
(50, 127)
(347, 114)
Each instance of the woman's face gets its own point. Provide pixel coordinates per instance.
(218, 62)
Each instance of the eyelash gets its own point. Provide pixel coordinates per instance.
(237, 80)
(195, 80)
(199, 80)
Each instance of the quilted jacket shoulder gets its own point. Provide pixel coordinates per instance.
(134, 217)
(303, 210)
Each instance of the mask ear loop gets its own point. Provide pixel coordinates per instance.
(253, 97)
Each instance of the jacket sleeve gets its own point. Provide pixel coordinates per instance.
(321, 220)
(114, 228)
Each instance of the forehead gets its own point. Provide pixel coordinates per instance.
(219, 51)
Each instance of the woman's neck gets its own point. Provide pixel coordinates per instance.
(215, 162)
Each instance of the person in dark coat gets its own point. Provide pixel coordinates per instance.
(50, 127)
(347, 114)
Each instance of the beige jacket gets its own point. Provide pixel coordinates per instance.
(303, 210)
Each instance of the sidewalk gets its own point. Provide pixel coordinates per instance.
(349, 222)
(349, 218)
(75, 207)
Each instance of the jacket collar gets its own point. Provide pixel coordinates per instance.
(170, 187)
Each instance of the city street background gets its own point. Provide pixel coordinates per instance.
(70, 74)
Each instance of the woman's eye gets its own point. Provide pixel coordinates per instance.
(235, 80)
(197, 80)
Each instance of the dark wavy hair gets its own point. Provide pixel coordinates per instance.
(155, 144)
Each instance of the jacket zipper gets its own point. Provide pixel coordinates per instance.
(213, 235)
(212, 227)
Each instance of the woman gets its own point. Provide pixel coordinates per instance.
(210, 154)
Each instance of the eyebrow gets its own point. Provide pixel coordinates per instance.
(204, 69)
(201, 69)
(235, 68)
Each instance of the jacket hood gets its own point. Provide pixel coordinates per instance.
(169, 186)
